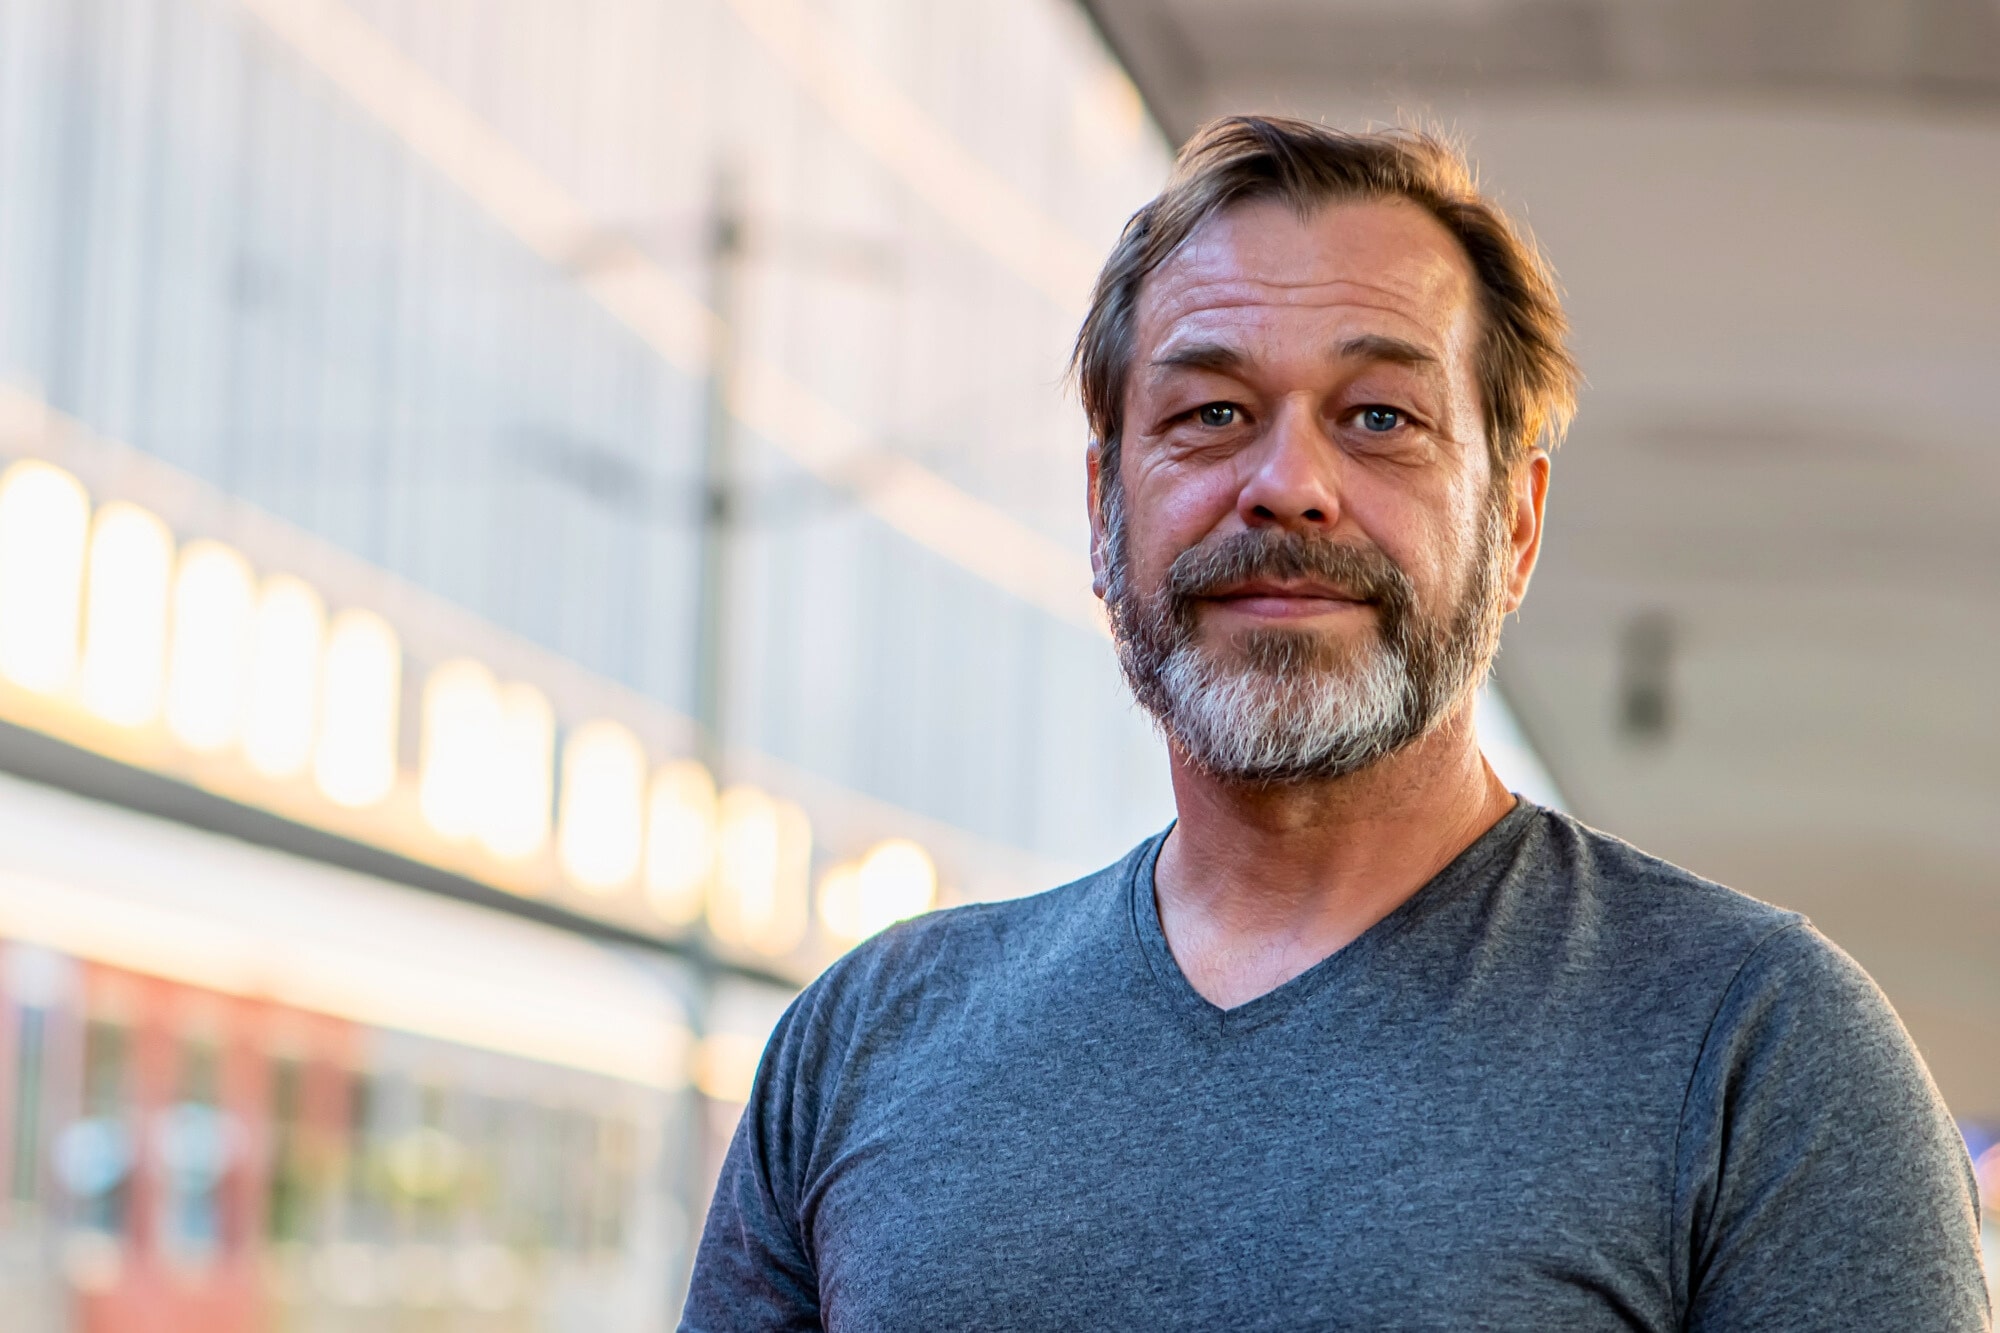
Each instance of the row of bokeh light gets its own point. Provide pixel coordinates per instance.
(101, 608)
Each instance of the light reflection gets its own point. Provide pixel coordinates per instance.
(896, 880)
(516, 821)
(286, 643)
(354, 755)
(209, 663)
(461, 721)
(44, 518)
(600, 828)
(125, 614)
(763, 857)
(680, 841)
(840, 904)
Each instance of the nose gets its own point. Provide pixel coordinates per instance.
(1294, 481)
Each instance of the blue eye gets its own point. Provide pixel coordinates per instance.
(1216, 414)
(1380, 420)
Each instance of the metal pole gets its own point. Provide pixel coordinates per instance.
(717, 495)
(716, 503)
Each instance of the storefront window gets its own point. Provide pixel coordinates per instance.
(94, 1155)
(195, 1149)
(25, 1158)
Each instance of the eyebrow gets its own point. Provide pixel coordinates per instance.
(1383, 347)
(1366, 347)
(1200, 356)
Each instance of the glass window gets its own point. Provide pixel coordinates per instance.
(429, 1165)
(618, 1174)
(579, 1179)
(94, 1155)
(26, 1156)
(194, 1158)
(546, 1175)
(285, 1203)
(366, 1215)
(521, 1151)
(483, 1132)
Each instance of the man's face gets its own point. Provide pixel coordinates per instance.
(1305, 552)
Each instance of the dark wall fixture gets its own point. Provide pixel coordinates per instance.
(1645, 678)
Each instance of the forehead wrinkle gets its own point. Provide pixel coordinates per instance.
(1227, 239)
(1208, 272)
(1190, 327)
(1198, 282)
(1181, 318)
(1235, 292)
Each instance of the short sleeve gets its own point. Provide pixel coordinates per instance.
(1820, 1182)
(752, 1270)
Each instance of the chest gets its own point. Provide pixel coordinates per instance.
(1377, 1181)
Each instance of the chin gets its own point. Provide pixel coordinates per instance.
(1287, 650)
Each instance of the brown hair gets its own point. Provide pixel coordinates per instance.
(1526, 374)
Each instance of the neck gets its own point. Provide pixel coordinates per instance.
(1257, 883)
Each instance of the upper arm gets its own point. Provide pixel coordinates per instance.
(1820, 1182)
(752, 1270)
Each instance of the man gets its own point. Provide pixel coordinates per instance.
(1362, 1041)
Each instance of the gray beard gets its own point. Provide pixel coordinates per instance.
(1281, 706)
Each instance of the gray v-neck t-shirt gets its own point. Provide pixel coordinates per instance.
(1564, 1086)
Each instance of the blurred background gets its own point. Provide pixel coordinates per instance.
(527, 528)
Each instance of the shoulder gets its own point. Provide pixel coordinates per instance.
(1749, 988)
(1651, 913)
(1800, 1003)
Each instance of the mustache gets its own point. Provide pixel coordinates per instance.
(1361, 572)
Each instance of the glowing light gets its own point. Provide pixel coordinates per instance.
(286, 643)
(44, 517)
(601, 826)
(895, 881)
(680, 841)
(354, 753)
(763, 856)
(746, 862)
(516, 821)
(461, 721)
(125, 614)
(215, 599)
(487, 759)
(840, 903)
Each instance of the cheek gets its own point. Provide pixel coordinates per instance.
(1468, 547)
(1169, 510)
(1430, 538)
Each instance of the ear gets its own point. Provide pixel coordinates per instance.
(1529, 487)
(1093, 464)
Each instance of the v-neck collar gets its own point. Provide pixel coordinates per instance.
(1210, 1018)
